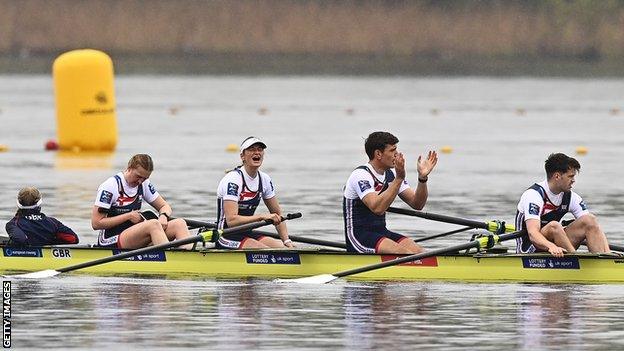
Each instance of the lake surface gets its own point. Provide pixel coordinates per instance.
(500, 130)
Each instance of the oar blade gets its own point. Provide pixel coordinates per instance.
(315, 279)
(48, 273)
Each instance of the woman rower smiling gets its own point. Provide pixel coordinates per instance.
(238, 196)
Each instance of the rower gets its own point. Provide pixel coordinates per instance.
(117, 215)
(31, 227)
(238, 197)
(372, 188)
(543, 205)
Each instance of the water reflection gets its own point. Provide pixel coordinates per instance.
(97, 312)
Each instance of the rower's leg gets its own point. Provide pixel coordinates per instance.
(388, 246)
(250, 243)
(143, 234)
(177, 229)
(554, 232)
(411, 246)
(271, 242)
(587, 228)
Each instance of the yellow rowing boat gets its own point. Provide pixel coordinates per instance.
(469, 267)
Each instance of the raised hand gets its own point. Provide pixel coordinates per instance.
(425, 166)
(399, 166)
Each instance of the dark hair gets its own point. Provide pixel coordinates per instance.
(141, 160)
(560, 163)
(378, 141)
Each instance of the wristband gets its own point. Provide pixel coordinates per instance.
(164, 214)
(420, 180)
(287, 241)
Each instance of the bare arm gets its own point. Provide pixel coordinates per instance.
(274, 207)
(539, 240)
(100, 220)
(416, 198)
(230, 210)
(379, 203)
(164, 210)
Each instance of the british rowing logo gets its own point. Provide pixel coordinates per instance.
(232, 189)
(364, 185)
(14, 252)
(106, 197)
(534, 209)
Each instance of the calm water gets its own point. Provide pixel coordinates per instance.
(500, 130)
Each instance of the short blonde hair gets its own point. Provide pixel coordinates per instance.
(141, 160)
(28, 196)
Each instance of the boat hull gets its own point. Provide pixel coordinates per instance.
(541, 268)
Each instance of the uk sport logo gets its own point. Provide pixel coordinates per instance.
(583, 206)
(151, 188)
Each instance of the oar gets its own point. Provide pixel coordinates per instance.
(305, 240)
(443, 234)
(192, 223)
(611, 246)
(200, 237)
(491, 226)
(483, 243)
(616, 247)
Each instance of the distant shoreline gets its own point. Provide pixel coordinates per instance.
(348, 65)
(321, 37)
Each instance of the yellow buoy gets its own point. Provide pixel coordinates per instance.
(4, 148)
(85, 101)
(581, 150)
(231, 148)
(446, 149)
